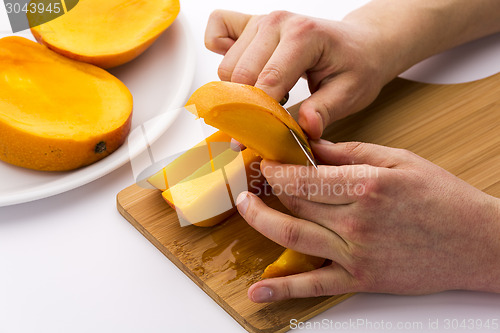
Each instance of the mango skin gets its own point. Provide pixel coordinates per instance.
(57, 114)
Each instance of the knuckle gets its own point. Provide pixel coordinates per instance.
(317, 287)
(224, 72)
(271, 76)
(290, 234)
(243, 75)
(370, 189)
(285, 290)
(210, 43)
(302, 26)
(293, 203)
(355, 230)
(216, 15)
(354, 147)
(371, 194)
(275, 18)
(406, 154)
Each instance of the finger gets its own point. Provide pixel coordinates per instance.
(291, 59)
(223, 29)
(293, 233)
(335, 185)
(328, 280)
(334, 217)
(255, 56)
(356, 153)
(233, 55)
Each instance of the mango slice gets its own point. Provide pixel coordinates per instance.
(188, 162)
(56, 113)
(207, 197)
(106, 33)
(219, 162)
(259, 122)
(250, 116)
(292, 262)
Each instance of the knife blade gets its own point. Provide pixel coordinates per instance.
(305, 148)
(303, 145)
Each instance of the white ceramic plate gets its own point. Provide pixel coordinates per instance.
(160, 81)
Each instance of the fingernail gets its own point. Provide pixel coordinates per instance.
(262, 294)
(242, 203)
(236, 146)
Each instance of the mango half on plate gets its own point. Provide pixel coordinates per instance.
(106, 33)
(56, 113)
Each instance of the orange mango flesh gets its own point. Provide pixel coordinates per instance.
(292, 262)
(259, 122)
(106, 33)
(188, 162)
(250, 116)
(57, 114)
(218, 162)
(202, 200)
(209, 199)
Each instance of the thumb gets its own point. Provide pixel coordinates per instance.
(328, 280)
(336, 98)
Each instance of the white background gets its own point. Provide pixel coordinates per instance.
(71, 263)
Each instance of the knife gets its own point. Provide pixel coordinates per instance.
(303, 145)
(305, 148)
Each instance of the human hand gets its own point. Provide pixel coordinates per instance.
(389, 220)
(342, 61)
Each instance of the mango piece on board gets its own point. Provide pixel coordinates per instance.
(190, 161)
(208, 196)
(292, 262)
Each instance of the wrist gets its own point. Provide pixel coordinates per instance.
(388, 46)
(487, 276)
(411, 31)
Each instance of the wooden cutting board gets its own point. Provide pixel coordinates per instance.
(454, 126)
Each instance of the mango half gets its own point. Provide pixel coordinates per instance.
(259, 122)
(106, 33)
(57, 114)
(252, 117)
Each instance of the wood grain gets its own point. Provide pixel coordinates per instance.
(454, 126)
